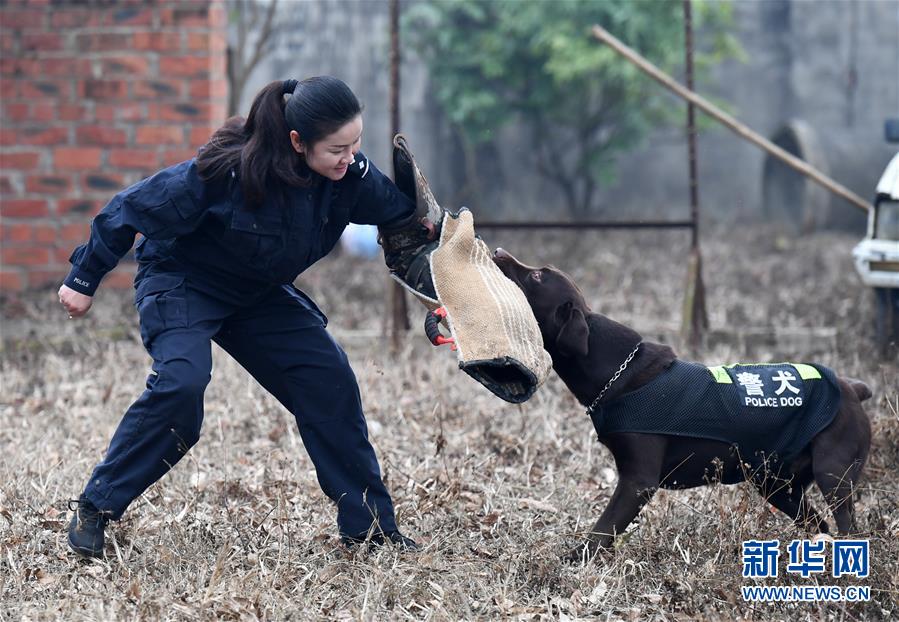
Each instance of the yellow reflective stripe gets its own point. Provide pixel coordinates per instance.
(720, 375)
(807, 372)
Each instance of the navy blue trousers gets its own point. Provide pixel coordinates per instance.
(282, 341)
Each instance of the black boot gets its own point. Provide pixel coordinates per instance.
(86, 528)
(402, 542)
(380, 539)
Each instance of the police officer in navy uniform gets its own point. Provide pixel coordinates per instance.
(224, 236)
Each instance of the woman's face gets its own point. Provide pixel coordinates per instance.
(332, 155)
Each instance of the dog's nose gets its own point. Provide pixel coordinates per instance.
(499, 253)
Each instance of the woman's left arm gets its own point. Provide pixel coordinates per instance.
(378, 200)
(406, 239)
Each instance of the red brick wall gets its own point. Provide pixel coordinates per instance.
(93, 97)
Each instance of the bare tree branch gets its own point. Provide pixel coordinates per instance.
(239, 66)
(263, 37)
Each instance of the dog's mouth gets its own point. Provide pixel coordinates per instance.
(505, 262)
(514, 270)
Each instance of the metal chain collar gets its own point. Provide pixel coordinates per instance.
(630, 357)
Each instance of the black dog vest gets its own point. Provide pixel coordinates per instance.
(769, 409)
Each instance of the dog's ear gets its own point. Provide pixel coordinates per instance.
(573, 336)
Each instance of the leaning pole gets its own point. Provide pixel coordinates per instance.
(728, 121)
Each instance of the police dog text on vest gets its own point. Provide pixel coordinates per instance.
(772, 402)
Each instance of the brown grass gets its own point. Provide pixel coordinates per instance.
(494, 492)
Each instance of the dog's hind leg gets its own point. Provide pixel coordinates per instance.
(808, 518)
(837, 490)
(837, 470)
(839, 453)
(789, 497)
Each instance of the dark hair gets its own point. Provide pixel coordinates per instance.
(259, 148)
(320, 106)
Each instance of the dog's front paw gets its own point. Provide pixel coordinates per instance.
(577, 555)
(581, 554)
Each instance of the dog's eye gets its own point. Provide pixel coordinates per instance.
(536, 275)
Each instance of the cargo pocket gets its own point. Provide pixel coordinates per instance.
(161, 302)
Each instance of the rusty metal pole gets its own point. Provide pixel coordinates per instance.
(695, 318)
(399, 317)
(691, 125)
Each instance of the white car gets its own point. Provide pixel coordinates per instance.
(877, 256)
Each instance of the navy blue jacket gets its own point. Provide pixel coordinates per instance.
(205, 232)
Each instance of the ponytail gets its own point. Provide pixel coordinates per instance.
(258, 149)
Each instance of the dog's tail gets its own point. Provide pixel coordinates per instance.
(861, 389)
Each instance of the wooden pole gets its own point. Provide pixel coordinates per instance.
(399, 317)
(728, 121)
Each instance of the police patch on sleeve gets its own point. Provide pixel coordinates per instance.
(359, 167)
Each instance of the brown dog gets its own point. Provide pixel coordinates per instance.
(604, 363)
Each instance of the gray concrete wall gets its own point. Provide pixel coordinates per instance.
(845, 77)
(349, 39)
(834, 64)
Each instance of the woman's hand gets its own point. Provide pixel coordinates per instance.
(76, 304)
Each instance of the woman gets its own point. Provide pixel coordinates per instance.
(225, 235)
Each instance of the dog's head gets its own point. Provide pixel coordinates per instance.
(557, 303)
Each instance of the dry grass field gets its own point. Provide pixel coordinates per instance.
(494, 492)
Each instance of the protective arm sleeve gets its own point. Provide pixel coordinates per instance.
(405, 240)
